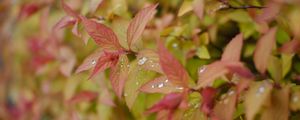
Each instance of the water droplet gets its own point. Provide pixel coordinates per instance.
(166, 80)
(197, 106)
(231, 92)
(202, 69)
(174, 45)
(160, 85)
(295, 99)
(152, 86)
(260, 90)
(142, 61)
(179, 88)
(152, 65)
(137, 83)
(93, 62)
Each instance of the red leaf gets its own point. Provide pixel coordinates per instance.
(68, 60)
(228, 102)
(232, 51)
(119, 74)
(172, 67)
(209, 73)
(161, 85)
(269, 12)
(169, 102)
(90, 61)
(198, 7)
(149, 60)
(208, 95)
(69, 10)
(107, 60)
(28, 10)
(83, 96)
(101, 34)
(263, 50)
(64, 22)
(138, 24)
(290, 47)
(75, 30)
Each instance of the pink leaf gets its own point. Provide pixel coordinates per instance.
(233, 50)
(28, 10)
(208, 95)
(69, 10)
(119, 74)
(68, 60)
(172, 67)
(198, 7)
(64, 22)
(263, 50)
(107, 60)
(101, 34)
(228, 102)
(290, 47)
(90, 61)
(169, 102)
(269, 12)
(138, 24)
(83, 96)
(149, 60)
(75, 29)
(209, 73)
(161, 85)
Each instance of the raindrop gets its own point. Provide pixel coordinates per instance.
(160, 85)
(152, 86)
(174, 45)
(93, 62)
(202, 69)
(137, 83)
(142, 61)
(260, 90)
(179, 88)
(295, 99)
(166, 80)
(231, 92)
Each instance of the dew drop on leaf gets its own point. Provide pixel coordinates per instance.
(142, 61)
(93, 62)
(202, 69)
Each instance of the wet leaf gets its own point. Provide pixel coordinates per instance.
(90, 61)
(229, 102)
(161, 85)
(263, 50)
(136, 78)
(119, 74)
(149, 60)
(172, 67)
(257, 96)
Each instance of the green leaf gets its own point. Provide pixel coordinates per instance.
(137, 77)
(186, 7)
(286, 61)
(202, 52)
(282, 36)
(275, 68)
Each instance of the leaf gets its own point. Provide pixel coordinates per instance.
(185, 7)
(275, 68)
(69, 10)
(94, 4)
(170, 102)
(279, 107)
(161, 85)
(290, 47)
(232, 51)
(172, 67)
(29, 9)
(102, 35)
(119, 74)
(83, 96)
(208, 95)
(295, 100)
(120, 26)
(64, 22)
(256, 97)
(263, 50)
(68, 60)
(90, 61)
(136, 78)
(202, 52)
(286, 62)
(269, 12)
(198, 8)
(107, 60)
(138, 24)
(149, 60)
(229, 102)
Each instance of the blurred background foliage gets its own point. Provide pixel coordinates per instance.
(37, 68)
